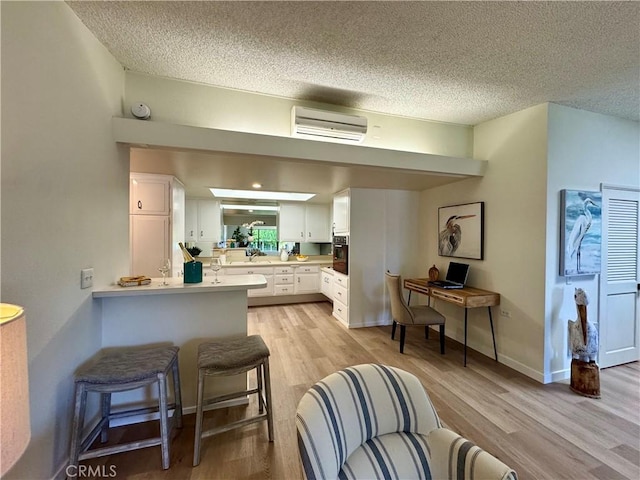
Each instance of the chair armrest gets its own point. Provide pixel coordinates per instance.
(451, 453)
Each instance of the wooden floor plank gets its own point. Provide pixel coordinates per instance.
(542, 431)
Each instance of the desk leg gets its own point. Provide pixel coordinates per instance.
(493, 336)
(465, 336)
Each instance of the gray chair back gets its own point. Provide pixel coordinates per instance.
(399, 309)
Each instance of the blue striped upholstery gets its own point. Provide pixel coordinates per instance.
(349, 408)
(394, 455)
(455, 458)
(374, 421)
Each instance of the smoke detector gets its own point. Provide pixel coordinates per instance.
(141, 111)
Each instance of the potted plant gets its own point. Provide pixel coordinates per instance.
(239, 237)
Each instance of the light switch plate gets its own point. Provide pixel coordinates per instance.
(86, 278)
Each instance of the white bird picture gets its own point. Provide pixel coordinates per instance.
(582, 233)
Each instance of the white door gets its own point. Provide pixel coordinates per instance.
(620, 279)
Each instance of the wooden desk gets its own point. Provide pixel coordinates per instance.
(467, 297)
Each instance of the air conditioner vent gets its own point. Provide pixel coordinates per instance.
(327, 126)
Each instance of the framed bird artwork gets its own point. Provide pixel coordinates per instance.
(580, 232)
(461, 231)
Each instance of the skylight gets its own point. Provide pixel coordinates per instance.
(271, 208)
(260, 195)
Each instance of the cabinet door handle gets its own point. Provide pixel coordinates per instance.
(202, 233)
(309, 234)
(139, 204)
(191, 234)
(301, 234)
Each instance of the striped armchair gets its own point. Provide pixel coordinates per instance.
(374, 421)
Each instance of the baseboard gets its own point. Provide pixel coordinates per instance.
(285, 299)
(559, 376)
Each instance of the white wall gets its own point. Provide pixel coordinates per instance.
(185, 103)
(585, 149)
(514, 192)
(64, 204)
(383, 235)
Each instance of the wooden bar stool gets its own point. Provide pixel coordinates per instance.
(232, 357)
(118, 370)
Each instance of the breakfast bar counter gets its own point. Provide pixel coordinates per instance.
(181, 314)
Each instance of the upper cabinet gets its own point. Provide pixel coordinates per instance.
(149, 194)
(317, 223)
(304, 223)
(203, 221)
(341, 213)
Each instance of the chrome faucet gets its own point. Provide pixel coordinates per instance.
(253, 255)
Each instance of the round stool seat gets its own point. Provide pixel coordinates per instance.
(128, 364)
(232, 354)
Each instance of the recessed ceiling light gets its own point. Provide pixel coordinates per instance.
(271, 208)
(257, 185)
(252, 194)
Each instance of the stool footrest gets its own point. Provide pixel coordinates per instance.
(229, 396)
(125, 447)
(238, 423)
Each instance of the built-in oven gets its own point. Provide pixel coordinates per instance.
(341, 254)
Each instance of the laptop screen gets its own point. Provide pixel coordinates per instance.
(457, 272)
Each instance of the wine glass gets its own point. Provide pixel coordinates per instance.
(215, 266)
(164, 268)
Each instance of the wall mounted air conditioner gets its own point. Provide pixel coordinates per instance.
(327, 126)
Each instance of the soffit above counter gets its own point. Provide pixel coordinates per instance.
(402, 169)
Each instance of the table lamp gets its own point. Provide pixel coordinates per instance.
(15, 429)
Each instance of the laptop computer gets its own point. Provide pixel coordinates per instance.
(457, 274)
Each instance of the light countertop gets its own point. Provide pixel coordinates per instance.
(177, 286)
(274, 262)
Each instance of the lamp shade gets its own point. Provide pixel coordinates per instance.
(15, 429)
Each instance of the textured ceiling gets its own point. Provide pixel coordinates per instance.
(459, 62)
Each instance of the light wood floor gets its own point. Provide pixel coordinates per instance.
(542, 431)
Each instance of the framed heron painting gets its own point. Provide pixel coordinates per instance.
(461, 231)
(580, 232)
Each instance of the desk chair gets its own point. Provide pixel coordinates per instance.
(404, 315)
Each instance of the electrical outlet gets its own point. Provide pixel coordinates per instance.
(505, 313)
(86, 278)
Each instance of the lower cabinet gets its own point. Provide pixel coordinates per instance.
(283, 281)
(341, 297)
(292, 279)
(326, 284)
(307, 279)
(255, 292)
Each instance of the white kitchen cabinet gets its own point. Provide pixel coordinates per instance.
(341, 212)
(203, 221)
(306, 279)
(291, 222)
(149, 194)
(326, 284)
(157, 227)
(191, 220)
(149, 243)
(304, 223)
(267, 291)
(341, 297)
(317, 223)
